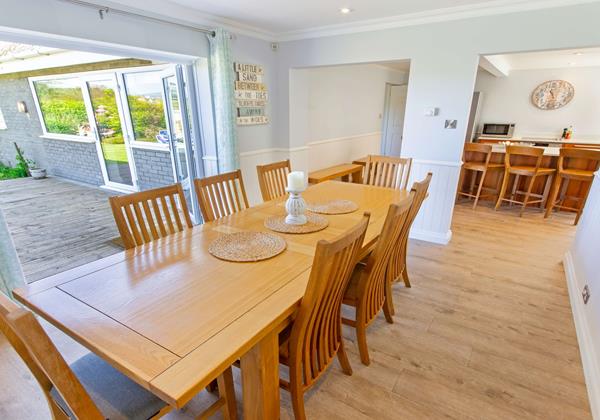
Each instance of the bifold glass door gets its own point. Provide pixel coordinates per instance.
(180, 134)
(105, 114)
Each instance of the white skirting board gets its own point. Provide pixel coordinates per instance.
(589, 358)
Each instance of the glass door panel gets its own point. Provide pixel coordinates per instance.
(109, 129)
(179, 135)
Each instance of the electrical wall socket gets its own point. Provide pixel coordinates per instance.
(586, 294)
(450, 124)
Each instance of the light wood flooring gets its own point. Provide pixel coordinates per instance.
(57, 225)
(486, 332)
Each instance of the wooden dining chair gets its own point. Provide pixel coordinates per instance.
(150, 215)
(366, 291)
(387, 171)
(272, 179)
(310, 344)
(397, 267)
(221, 195)
(89, 388)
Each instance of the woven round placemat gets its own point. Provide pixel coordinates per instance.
(333, 207)
(315, 223)
(247, 246)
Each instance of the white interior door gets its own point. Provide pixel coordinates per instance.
(393, 124)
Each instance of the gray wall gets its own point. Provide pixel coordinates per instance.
(153, 168)
(74, 160)
(24, 129)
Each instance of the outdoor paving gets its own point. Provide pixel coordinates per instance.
(56, 224)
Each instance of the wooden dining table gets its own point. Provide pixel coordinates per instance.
(172, 317)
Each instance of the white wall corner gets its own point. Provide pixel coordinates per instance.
(431, 236)
(589, 358)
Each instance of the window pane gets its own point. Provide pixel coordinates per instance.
(63, 109)
(144, 94)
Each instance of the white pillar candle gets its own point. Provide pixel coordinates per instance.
(296, 181)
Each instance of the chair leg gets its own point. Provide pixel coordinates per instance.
(388, 303)
(361, 338)
(297, 396)
(479, 189)
(405, 269)
(527, 194)
(515, 188)
(582, 205)
(343, 358)
(227, 392)
(502, 189)
(553, 194)
(461, 179)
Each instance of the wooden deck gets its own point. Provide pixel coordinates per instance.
(57, 225)
(486, 332)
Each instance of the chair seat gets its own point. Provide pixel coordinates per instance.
(477, 166)
(530, 170)
(577, 173)
(117, 396)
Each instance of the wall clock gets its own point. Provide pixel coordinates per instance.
(553, 94)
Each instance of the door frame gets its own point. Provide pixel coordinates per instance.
(384, 146)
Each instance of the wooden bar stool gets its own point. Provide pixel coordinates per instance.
(476, 158)
(524, 161)
(573, 165)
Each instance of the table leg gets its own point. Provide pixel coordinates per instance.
(260, 379)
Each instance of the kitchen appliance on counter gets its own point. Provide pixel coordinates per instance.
(498, 130)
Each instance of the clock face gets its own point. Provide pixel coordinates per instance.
(553, 94)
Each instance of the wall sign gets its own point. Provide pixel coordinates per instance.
(553, 94)
(251, 95)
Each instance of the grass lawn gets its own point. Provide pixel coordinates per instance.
(114, 152)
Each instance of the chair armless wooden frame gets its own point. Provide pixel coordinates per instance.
(272, 179)
(221, 195)
(387, 171)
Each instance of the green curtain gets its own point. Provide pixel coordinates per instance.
(222, 83)
(11, 275)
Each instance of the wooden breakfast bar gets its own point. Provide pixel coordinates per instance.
(542, 185)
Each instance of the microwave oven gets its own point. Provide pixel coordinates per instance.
(500, 131)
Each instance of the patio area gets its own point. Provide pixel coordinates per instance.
(57, 225)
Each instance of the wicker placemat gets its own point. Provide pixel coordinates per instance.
(247, 246)
(315, 223)
(333, 207)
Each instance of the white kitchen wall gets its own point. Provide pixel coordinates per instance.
(582, 266)
(508, 99)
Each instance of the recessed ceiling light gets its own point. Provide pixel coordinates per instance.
(346, 10)
(578, 53)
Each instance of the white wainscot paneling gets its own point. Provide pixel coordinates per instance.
(433, 221)
(324, 153)
(248, 163)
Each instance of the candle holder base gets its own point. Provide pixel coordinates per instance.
(296, 207)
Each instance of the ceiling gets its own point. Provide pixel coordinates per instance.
(295, 19)
(581, 57)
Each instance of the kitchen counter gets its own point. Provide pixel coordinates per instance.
(548, 151)
(542, 140)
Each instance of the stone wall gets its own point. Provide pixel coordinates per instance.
(154, 168)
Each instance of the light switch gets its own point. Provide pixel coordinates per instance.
(431, 112)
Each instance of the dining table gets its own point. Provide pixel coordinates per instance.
(172, 317)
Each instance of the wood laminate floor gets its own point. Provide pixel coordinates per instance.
(486, 332)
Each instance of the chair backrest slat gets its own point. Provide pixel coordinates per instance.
(136, 222)
(398, 257)
(219, 195)
(32, 344)
(371, 286)
(316, 333)
(272, 179)
(387, 171)
(578, 158)
(477, 153)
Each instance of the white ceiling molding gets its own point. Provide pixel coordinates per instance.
(186, 15)
(432, 16)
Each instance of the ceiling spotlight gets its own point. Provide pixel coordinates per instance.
(346, 10)
(578, 53)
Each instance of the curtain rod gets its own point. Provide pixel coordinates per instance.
(104, 10)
